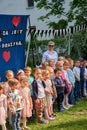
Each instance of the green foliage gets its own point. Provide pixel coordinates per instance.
(53, 8)
(60, 25)
(79, 44)
(78, 12)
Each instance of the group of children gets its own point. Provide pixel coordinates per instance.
(64, 82)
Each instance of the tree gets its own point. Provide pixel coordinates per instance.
(78, 12)
(53, 8)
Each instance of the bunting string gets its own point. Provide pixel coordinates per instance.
(56, 33)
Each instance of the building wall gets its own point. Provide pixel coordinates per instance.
(20, 7)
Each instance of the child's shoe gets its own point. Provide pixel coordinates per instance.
(43, 121)
(65, 107)
(77, 99)
(61, 110)
(25, 128)
(51, 118)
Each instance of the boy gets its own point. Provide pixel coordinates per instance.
(39, 95)
(76, 71)
(14, 103)
(59, 83)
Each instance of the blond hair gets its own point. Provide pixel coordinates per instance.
(13, 82)
(27, 68)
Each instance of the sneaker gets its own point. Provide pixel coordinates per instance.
(68, 106)
(51, 118)
(77, 99)
(43, 121)
(71, 105)
(25, 128)
(61, 110)
(65, 107)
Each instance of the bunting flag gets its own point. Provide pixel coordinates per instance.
(46, 33)
(57, 33)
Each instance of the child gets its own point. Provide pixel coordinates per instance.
(76, 71)
(54, 95)
(9, 74)
(14, 103)
(82, 79)
(46, 77)
(85, 76)
(27, 101)
(59, 65)
(39, 95)
(44, 65)
(68, 85)
(19, 74)
(51, 63)
(72, 80)
(3, 108)
(59, 83)
(28, 71)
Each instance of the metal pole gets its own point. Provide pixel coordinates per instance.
(69, 46)
(27, 52)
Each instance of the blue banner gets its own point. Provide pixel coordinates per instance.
(12, 43)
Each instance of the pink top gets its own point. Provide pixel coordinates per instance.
(7, 88)
(27, 101)
(65, 76)
(3, 109)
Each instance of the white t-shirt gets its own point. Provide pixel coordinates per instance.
(76, 71)
(50, 56)
(85, 72)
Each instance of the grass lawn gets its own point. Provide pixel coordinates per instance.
(73, 119)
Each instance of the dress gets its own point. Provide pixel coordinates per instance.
(6, 89)
(3, 109)
(27, 101)
(48, 96)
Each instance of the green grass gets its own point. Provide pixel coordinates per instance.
(73, 119)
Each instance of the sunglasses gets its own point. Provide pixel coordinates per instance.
(51, 45)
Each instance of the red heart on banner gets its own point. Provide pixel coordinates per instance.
(6, 55)
(16, 20)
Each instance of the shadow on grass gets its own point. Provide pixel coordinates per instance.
(72, 125)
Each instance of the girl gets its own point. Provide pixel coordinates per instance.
(28, 71)
(68, 85)
(19, 74)
(72, 80)
(9, 74)
(46, 77)
(25, 92)
(3, 108)
(44, 65)
(51, 63)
